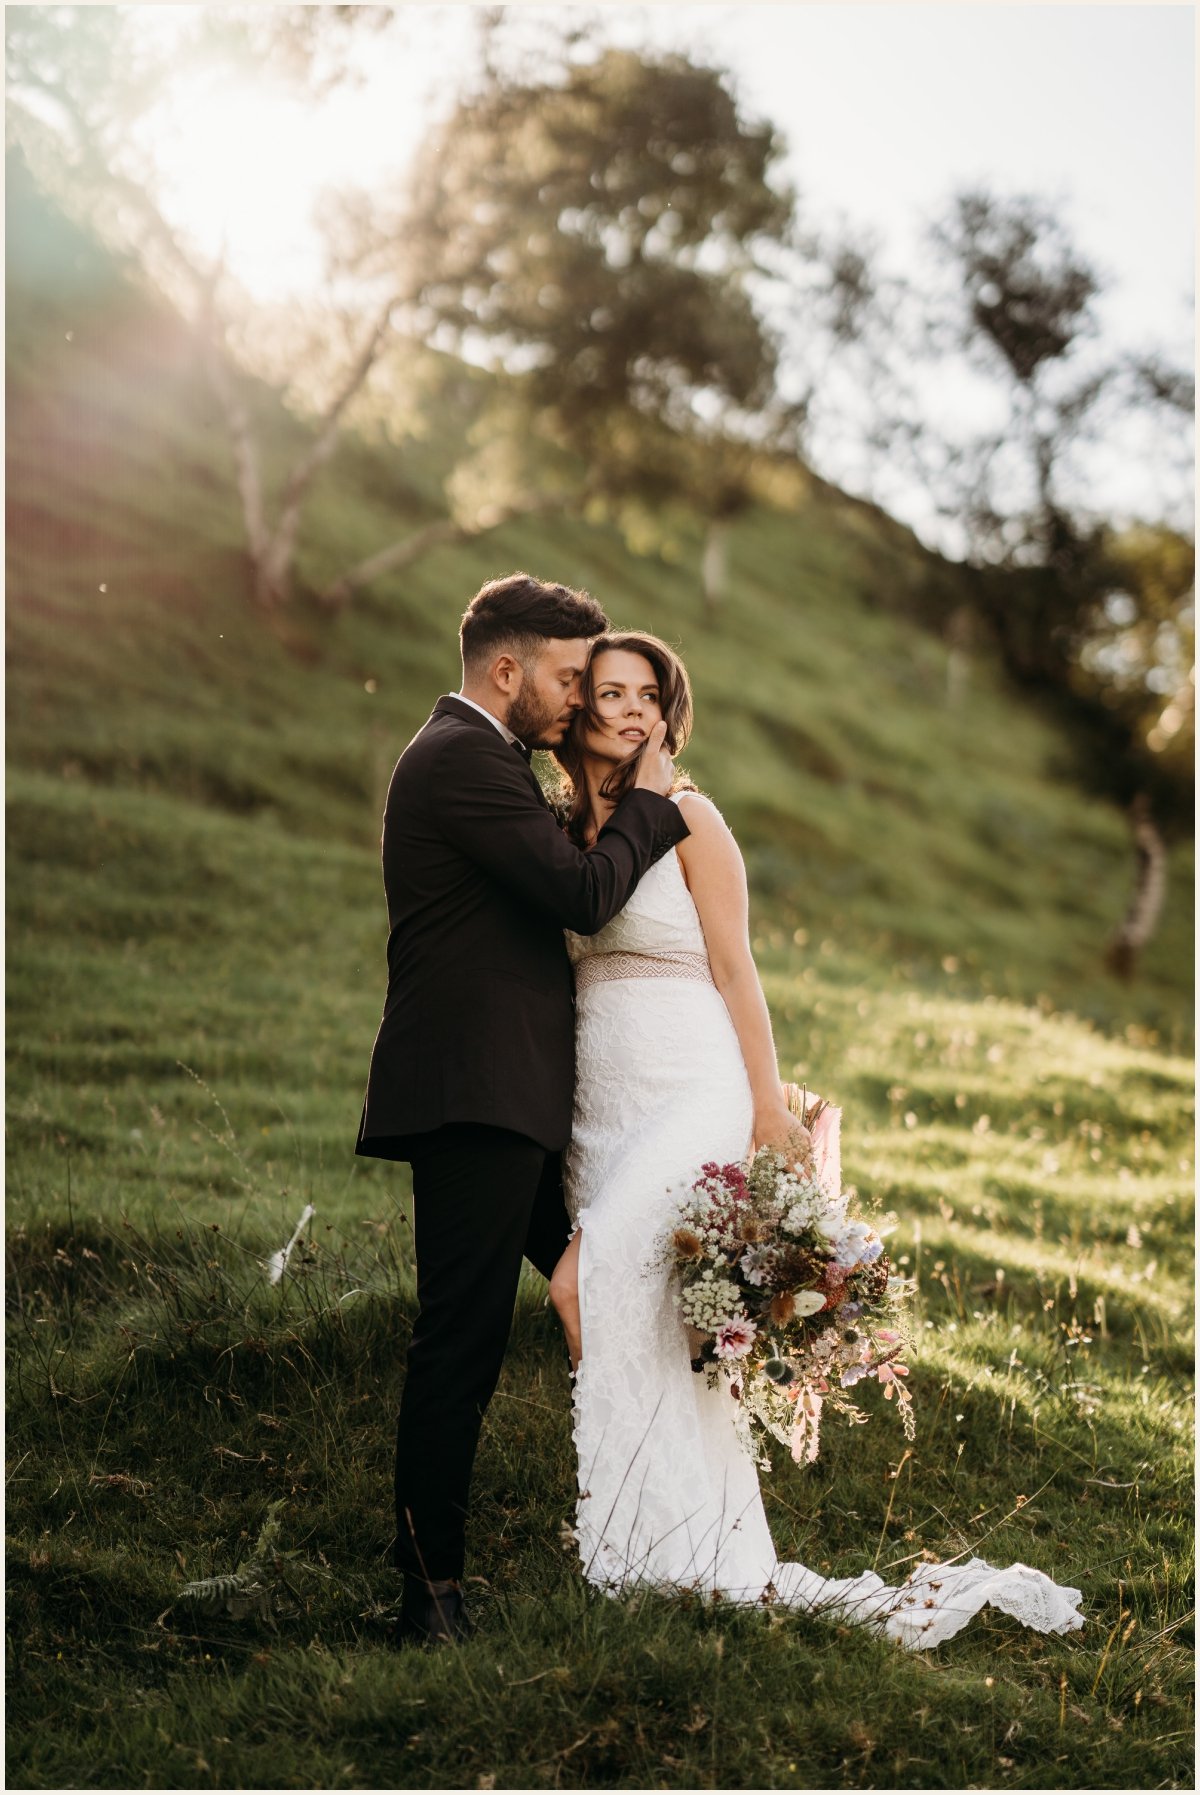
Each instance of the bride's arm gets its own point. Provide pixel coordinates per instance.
(716, 877)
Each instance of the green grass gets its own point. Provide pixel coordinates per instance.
(195, 974)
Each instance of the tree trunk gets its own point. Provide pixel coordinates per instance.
(959, 634)
(247, 468)
(1150, 885)
(273, 565)
(714, 566)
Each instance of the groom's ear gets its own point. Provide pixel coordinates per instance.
(506, 672)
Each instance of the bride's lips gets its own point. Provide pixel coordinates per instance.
(632, 735)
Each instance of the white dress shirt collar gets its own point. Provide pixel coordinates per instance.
(505, 731)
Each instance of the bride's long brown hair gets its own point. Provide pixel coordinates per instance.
(675, 700)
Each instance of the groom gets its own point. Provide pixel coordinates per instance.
(472, 1072)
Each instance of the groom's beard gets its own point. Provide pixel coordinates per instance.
(536, 723)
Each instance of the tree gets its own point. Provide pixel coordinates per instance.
(1006, 320)
(592, 230)
(595, 235)
(1025, 307)
(1139, 646)
(1099, 618)
(1016, 312)
(81, 80)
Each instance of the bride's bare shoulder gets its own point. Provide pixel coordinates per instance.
(707, 826)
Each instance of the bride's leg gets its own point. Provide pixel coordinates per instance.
(564, 1294)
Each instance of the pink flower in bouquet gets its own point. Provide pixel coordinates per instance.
(888, 1376)
(734, 1339)
(731, 1176)
(726, 1195)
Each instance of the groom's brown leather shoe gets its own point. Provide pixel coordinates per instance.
(432, 1613)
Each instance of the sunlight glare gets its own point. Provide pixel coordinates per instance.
(243, 162)
(242, 174)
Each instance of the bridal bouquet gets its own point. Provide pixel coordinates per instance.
(790, 1290)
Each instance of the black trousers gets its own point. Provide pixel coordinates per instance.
(483, 1199)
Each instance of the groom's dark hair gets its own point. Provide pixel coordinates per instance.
(516, 614)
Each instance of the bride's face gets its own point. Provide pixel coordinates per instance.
(625, 697)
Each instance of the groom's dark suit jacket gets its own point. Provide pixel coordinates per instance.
(478, 1024)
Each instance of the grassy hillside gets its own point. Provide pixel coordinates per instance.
(196, 941)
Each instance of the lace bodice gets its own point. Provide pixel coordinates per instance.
(660, 917)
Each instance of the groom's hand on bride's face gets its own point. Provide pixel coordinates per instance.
(656, 769)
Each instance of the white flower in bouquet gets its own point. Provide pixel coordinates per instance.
(831, 1219)
(808, 1211)
(756, 1263)
(833, 1215)
(807, 1302)
(856, 1243)
(710, 1303)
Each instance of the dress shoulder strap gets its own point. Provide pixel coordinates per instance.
(675, 798)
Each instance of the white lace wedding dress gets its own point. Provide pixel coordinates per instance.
(667, 1495)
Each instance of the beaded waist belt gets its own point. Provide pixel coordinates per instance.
(595, 967)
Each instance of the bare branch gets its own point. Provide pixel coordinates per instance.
(275, 559)
(445, 531)
(1155, 379)
(322, 447)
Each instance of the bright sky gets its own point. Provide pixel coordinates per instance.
(886, 109)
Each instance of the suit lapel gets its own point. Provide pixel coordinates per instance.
(450, 706)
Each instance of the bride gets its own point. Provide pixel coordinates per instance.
(675, 1067)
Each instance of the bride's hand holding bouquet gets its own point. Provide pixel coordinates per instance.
(781, 1129)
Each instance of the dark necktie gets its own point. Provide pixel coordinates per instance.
(525, 753)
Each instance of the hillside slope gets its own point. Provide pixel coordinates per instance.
(873, 814)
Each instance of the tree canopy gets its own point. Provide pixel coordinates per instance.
(594, 233)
